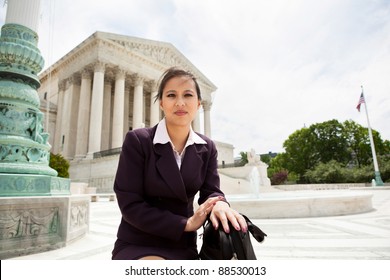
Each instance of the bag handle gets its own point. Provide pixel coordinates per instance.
(256, 232)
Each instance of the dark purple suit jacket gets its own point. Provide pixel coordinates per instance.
(155, 197)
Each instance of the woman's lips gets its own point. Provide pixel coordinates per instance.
(180, 113)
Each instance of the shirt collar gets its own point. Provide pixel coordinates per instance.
(162, 136)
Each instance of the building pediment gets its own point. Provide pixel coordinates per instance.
(113, 49)
(164, 53)
(155, 51)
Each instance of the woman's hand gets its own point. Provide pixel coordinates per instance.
(222, 213)
(200, 215)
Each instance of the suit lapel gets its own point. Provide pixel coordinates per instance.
(193, 162)
(168, 169)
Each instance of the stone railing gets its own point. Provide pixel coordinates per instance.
(107, 153)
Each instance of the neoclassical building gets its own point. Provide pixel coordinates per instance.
(101, 89)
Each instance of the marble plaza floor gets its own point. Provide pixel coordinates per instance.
(353, 237)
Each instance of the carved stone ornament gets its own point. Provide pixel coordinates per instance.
(157, 53)
(18, 223)
(78, 215)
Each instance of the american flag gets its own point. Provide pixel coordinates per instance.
(361, 101)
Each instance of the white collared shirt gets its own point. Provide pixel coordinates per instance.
(162, 137)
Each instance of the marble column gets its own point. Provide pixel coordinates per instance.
(106, 126)
(206, 109)
(138, 102)
(74, 111)
(95, 126)
(57, 142)
(154, 106)
(69, 117)
(84, 111)
(65, 120)
(119, 106)
(196, 123)
(127, 111)
(24, 12)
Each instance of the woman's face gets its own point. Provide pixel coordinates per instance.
(179, 101)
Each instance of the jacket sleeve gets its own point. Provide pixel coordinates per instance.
(129, 188)
(211, 185)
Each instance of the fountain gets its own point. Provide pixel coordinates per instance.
(250, 192)
(254, 181)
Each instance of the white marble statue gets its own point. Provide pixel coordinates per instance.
(255, 161)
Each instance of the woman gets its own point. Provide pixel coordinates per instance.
(160, 171)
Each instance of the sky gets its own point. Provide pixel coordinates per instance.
(279, 65)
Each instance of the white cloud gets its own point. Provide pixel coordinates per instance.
(278, 65)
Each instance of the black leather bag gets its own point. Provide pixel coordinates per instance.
(218, 245)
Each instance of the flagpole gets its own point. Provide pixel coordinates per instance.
(378, 179)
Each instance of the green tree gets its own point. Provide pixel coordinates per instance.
(359, 143)
(330, 142)
(266, 159)
(300, 154)
(344, 143)
(384, 167)
(244, 158)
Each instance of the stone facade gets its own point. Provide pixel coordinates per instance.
(103, 88)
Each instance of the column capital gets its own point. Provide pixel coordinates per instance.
(120, 74)
(86, 74)
(206, 105)
(69, 81)
(138, 80)
(99, 67)
(153, 85)
(62, 85)
(72, 80)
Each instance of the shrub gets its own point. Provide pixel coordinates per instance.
(60, 164)
(330, 172)
(363, 174)
(292, 178)
(335, 172)
(279, 177)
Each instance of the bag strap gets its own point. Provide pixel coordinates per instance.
(256, 232)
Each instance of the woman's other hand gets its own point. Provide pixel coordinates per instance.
(200, 215)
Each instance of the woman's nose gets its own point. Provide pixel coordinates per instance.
(180, 102)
